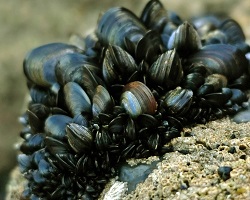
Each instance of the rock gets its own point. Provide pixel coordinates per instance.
(224, 172)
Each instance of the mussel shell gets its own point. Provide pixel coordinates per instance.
(138, 99)
(238, 96)
(68, 66)
(235, 34)
(34, 143)
(193, 81)
(217, 99)
(177, 101)
(39, 64)
(55, 126)
(213, 83)
(102, 101)
(167, 70)
(43, 96)
(205, 24)
(76, 99)
(79, 137)
(185, 39)
(102, 140)
(221, 59)
(118, 23)
(154, 15)
(149, 47)
(118, 65)
(24, 162)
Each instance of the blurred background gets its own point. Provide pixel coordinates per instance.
(26, 24)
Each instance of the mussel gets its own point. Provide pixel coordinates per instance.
(185, 40)
(118, 65)
(154, 15)
(120, 27)
(76, 99)
(80, 138)
(222, 59)
(102, 101)
(177, 101)
(138, 99)
(39, 64)
(166, 71)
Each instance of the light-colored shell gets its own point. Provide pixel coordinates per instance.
(102, 101)
(76, 99)
(138, 99)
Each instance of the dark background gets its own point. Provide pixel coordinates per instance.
(26, 24)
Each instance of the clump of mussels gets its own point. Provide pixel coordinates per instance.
(126, 94)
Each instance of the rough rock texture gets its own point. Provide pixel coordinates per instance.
(190, 172)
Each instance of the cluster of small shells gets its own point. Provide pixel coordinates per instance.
(125, 94)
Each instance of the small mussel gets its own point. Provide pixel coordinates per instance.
(102, 101)
(166, 71)
(213, 83)
(177, 101)
(55, 126)
(118, 65)
(185, 39)
(138, 99)
(76, 99)
(79, 137)
(118, 25)
(154, 15)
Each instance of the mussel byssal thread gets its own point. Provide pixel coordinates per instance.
(126, 94)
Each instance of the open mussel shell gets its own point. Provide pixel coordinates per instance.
(102, 101)
(76, 99)
(39, 64)
(177, 101)
(79, 137)
(185, 39)
(138, 99)
(166, 71)
(221, 59)
(118, 65)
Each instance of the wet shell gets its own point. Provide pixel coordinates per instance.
(185, 39)
(102, 101)
(167, 70)
(55, 126)
(118, 65)
(76, 99)
(79, 137)
(154, 15)
(69, 65)
(138, 99)
(39, 64)
(117, 24)
(213, 83)
(221, 59)
(177, 101)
